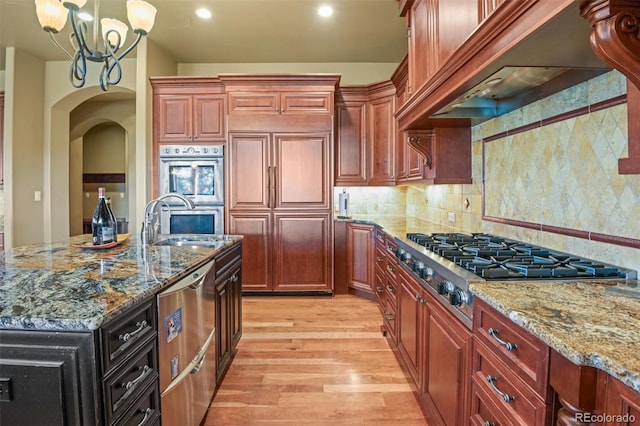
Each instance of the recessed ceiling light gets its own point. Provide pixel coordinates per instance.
(325, 11)
(85, 16)
(203, 13)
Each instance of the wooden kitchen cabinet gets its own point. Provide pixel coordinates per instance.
(446, 366)
(360, 259)
(447, 153)
(190, 118)
(510, 368)
(271, 102)
(351, 147)
(412, 315)
(280, 200)
(381, 134)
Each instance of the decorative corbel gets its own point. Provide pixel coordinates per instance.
(615, 38)
(420, 140)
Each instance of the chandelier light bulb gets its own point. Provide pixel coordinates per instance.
(111, 28)
(142, 16)
(52, 15)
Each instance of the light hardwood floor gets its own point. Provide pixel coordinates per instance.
(313, 361)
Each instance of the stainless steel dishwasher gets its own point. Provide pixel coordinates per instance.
(186, 319)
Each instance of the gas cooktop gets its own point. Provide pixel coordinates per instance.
(496, 258)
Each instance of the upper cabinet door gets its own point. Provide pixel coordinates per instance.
(209, 118)
(254, 102)
(280, 102)
(306, 103)
(174, 118)
(190, 118)
(249, 171)
(351, 144)
(382, 141)
(301, 173)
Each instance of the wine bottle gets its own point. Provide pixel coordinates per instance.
(102, 223)
(113, 218)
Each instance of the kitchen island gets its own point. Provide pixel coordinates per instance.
(79, 328)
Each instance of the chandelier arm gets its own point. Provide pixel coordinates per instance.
(130, 48)
(109, 68)
(59, 46)
(79, 33)
(78, 70)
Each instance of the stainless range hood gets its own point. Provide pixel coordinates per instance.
(511, 88)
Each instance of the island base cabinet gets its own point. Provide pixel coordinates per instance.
(47, 383)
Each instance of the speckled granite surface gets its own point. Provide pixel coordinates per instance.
(59, 286)
(595, 322)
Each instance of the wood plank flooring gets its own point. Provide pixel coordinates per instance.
(313, 361)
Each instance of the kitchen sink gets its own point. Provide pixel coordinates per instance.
(190, 240)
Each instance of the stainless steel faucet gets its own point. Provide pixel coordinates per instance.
(151, 224)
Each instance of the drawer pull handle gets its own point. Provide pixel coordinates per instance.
(391, 289)
(147, 414)
(507, 398)
(379, 259)
(488, 423)
(135, 381)
(508, 346)
(128, 336)
(379, 289)
(388, 316)
(420, 299)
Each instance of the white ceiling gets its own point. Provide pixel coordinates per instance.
(240, 30)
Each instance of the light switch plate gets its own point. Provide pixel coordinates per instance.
(452, 216)
(5, 389)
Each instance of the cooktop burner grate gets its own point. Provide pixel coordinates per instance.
(494, 257)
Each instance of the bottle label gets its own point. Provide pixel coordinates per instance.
(107, 234)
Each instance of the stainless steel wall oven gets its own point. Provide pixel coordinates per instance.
(197, 172)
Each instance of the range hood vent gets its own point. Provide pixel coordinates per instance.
(511, 88)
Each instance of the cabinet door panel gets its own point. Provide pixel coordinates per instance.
(302, 172)
(256, 263)
(307, 102)
(302, 250)
(447, 366)
(382, 141)
(254, 102)
(174, 121)
(360, 257)
(409, 325)
(249, 171)
(351, 152)
(209, 118)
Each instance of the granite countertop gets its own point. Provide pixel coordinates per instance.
(594, 322)
(60, 286)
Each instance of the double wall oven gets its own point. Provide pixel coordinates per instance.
(197, 172)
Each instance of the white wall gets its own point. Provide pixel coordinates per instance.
(352, 74)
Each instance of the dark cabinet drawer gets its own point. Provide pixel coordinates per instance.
(522, 352)
(483, 411)
(124, 335)
(124, 385)
(225, 261)
(505, 390)
(145, 411)
(389, 315)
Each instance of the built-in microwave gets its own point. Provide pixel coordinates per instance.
(195, 171)
(201, 220)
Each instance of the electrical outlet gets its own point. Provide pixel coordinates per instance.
(37, 196)
(452, 216)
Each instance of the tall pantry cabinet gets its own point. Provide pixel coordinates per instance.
(279, 181)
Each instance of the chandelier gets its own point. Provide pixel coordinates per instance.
(52, 15)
